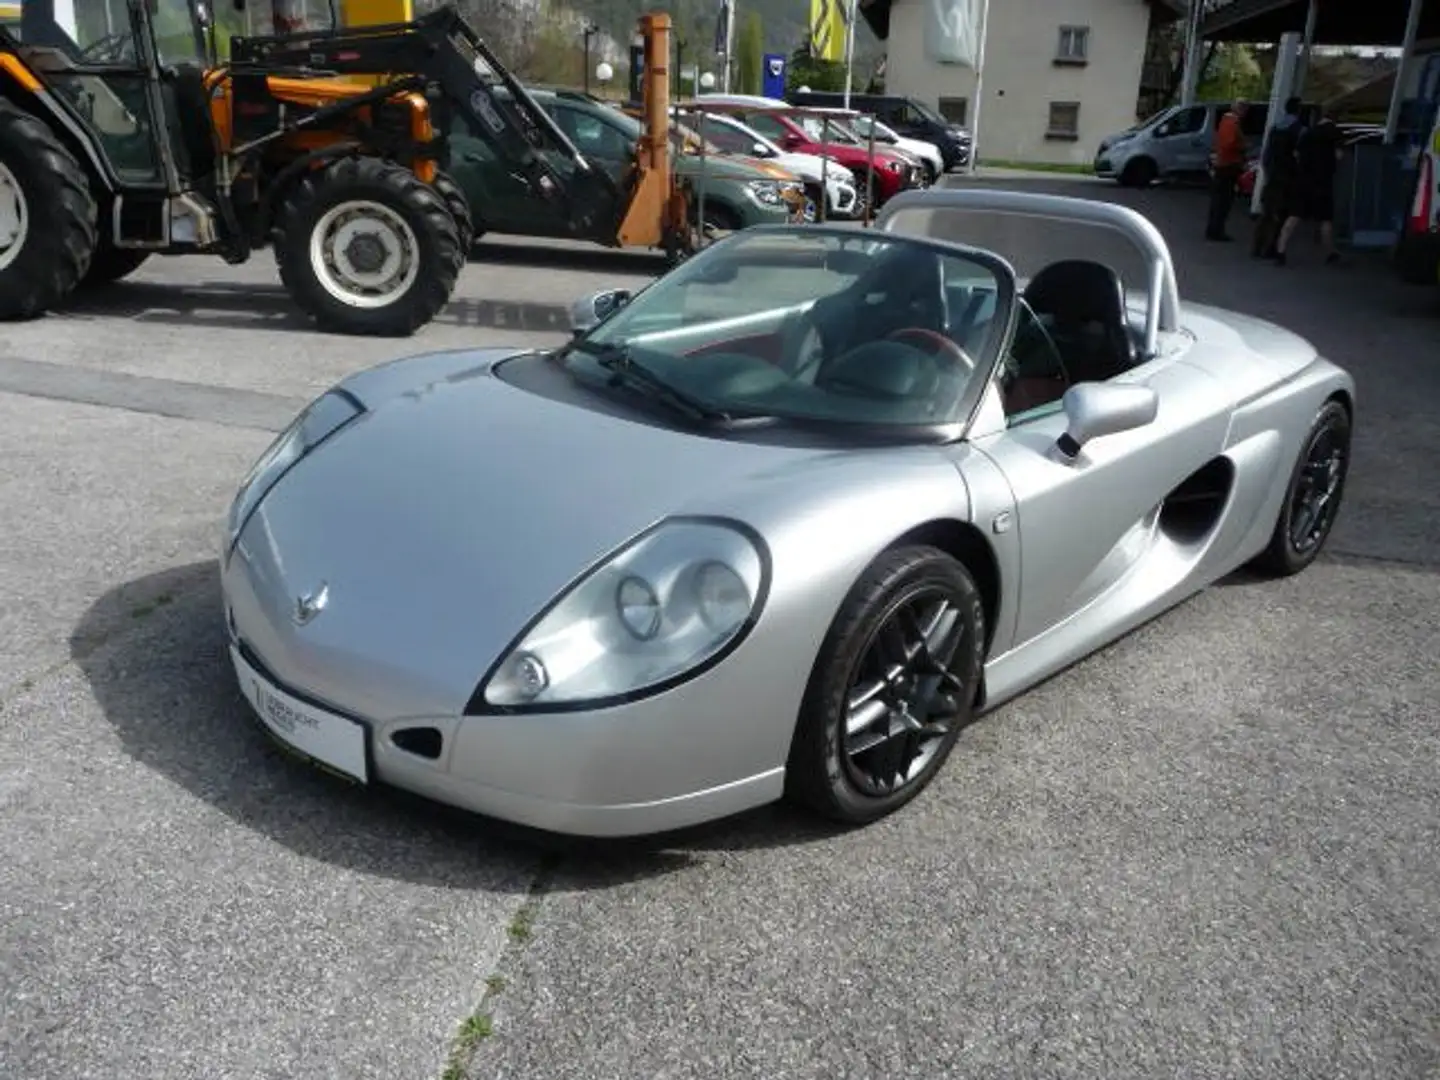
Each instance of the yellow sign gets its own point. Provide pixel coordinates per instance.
(9, 12)
(828, 19)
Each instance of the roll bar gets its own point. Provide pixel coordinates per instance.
(1162, 311)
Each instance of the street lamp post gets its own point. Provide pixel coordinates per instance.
(590, 31)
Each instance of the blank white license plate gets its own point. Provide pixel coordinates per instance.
(335, 741)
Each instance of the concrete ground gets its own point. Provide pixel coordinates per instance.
(1208, 851)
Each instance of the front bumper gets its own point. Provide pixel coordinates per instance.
(677, 759)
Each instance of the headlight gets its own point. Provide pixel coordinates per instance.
(322, 418)
(765, 191)
(664, 607)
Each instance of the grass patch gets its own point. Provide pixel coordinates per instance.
(522, 926)
(480, 1024)
(1038, 166)
(475, 1030)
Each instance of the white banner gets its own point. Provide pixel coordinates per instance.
(952, 31)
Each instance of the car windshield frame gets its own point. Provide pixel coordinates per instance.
(663, 300)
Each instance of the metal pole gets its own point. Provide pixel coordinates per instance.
(870, 181)
(1302, 66)
(1190, 80)
(1407, 53)
(729, 43)
(979, 90)
(702, 241)
(850, 50)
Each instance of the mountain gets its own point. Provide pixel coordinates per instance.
(785, 21)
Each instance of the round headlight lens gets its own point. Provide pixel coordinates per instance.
(638, 607)
(721, 596)
(530, 675)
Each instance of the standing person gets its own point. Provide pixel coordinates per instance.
(1318, 160)
(1227, 161)
(1281, 166)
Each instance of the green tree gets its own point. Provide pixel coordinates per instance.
(1234, 72)
(750, 54)
(806, 70)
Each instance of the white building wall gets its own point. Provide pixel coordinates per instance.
(1022, 78)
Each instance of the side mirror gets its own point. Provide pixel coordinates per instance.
(1162, 131)
(790, 141)
(1095, 410)
(760, 150)
(590, 312)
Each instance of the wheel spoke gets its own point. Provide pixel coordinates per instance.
(906, 700)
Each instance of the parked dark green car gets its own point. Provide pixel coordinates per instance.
(737, 194)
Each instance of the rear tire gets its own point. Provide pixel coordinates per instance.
(459, 206)
(1317, 477)
(47, 217)
(367, 247)
(847, 771)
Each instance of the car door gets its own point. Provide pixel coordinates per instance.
(1183, 141)
(499, 200)
(1084, 525)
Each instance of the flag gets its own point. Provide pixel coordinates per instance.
(828, 22)
(722, 29)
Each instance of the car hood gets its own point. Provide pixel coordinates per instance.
(454, 510)
(722, 167)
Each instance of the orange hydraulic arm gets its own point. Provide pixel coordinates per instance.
(657, 207)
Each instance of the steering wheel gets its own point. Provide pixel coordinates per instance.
(940, 345)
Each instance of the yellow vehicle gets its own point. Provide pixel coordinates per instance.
(132, 128)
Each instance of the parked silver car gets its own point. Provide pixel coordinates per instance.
(780, 524)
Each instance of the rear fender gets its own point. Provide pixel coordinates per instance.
(20, 86)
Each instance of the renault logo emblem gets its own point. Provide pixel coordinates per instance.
(308, 605)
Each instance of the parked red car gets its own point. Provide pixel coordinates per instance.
(802, 131)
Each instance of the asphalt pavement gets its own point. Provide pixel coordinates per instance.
(1209, 851)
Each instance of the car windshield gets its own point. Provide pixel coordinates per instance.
(815, 324)
(926, 111)
(864, 124)
(819, 129)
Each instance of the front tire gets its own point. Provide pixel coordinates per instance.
(893, 685)
(366, 247)
(459, 205)
(1140, 173)
(47, 217)
(1312, 499)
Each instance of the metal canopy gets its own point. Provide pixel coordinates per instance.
(1338, 22)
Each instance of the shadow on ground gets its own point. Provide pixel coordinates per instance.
(154, 655)
(594, 260)
(224, 305)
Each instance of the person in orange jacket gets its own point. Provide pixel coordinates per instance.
(1227, 162)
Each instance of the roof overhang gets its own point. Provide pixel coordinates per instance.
(877, 13)
(1337, 22)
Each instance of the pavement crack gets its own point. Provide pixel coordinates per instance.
(480, 1024)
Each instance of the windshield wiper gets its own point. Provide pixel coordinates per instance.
(620, 360)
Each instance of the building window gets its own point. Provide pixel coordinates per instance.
(954, 109)
(1073, 46)
(1064, 121)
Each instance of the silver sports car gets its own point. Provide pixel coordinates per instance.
(779, 524)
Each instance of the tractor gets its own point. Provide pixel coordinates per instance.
(136, 128)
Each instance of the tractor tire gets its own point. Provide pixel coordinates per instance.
(47, 217)
(459, 205)
(350, 230)
(110, 264)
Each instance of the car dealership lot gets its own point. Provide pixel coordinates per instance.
(1208, 851)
